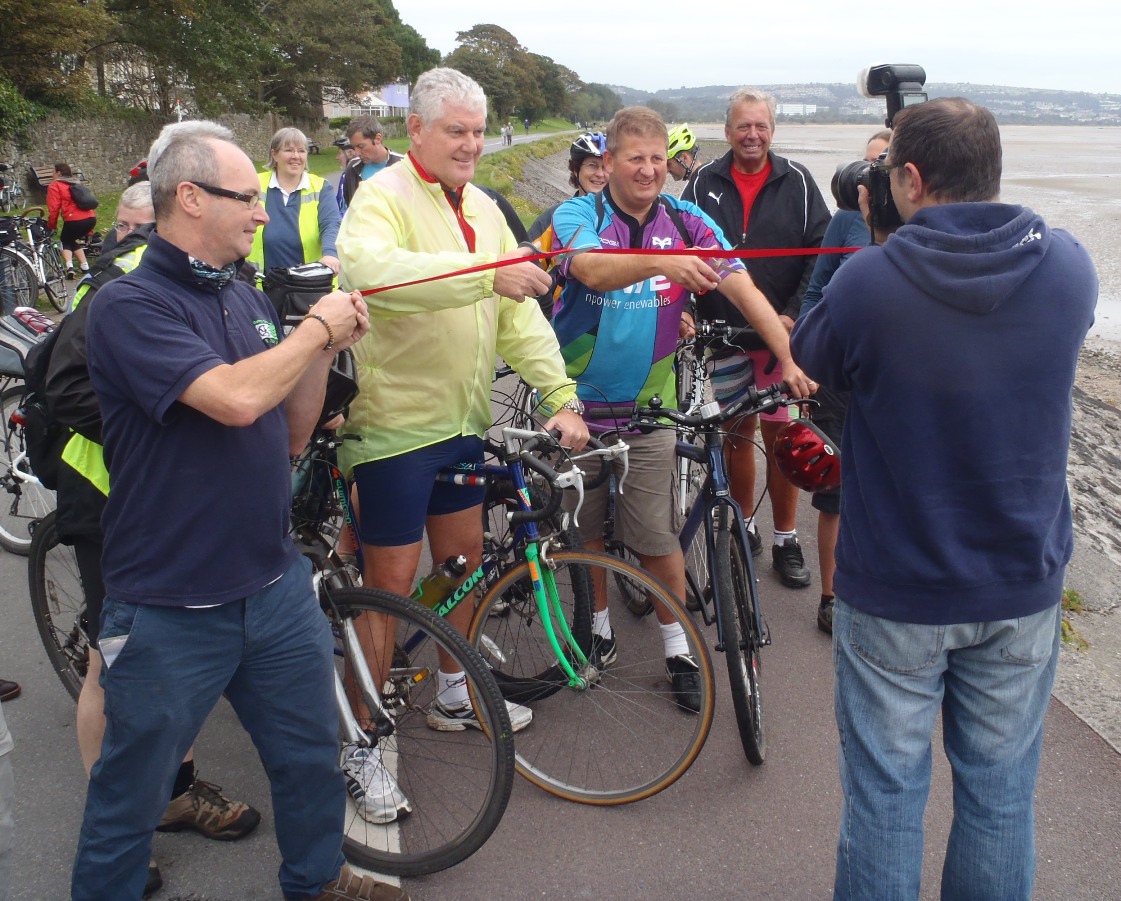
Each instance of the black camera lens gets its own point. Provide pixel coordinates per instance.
(845, 181)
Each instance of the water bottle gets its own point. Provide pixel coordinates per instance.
(436, 586)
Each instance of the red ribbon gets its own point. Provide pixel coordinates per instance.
(711, 253)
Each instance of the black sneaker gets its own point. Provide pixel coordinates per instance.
(825, 616)
(685, 679)
(755, 542)
(604, 651)
(787, 559)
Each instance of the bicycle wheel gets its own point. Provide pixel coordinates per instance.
(23, 499)
(19, 287)
(457, 783)
(621, 738)
(54, 270)
(58, 604)
(6, 200)
(737, 600)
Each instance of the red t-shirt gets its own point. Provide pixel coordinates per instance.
(749, 186)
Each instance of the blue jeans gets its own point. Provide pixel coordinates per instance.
(992, 682)
(164, 670)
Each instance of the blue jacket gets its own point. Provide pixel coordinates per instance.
(958, 340)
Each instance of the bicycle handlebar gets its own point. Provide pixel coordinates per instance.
(756, 401)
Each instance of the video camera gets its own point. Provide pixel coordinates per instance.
(902, 85)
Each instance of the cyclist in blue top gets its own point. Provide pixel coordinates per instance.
(618, 325)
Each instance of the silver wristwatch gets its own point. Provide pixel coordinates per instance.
(574, 404)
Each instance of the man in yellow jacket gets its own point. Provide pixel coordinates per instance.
(425, 370)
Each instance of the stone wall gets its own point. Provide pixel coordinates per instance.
(105, 149)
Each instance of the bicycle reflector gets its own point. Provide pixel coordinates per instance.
(807, 457)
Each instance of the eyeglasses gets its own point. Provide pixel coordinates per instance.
(126, 226)
(250, 200)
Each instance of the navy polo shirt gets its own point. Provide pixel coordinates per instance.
(198, 512)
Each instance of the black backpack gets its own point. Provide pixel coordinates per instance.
(44, 436)
(83, 197)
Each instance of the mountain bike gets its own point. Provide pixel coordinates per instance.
(30, 247)
(457, 783)
(607, 728)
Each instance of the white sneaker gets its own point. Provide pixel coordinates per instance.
(458, 717)
(375, 792)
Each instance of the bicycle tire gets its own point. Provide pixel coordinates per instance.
(457, 782)
(6, 200)
(698, 580)
(736, 598)
(58, 604)
(54, 272)
(623, 738)
(23, 499)
(19, 286)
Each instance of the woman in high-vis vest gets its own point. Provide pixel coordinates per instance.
(301, 229)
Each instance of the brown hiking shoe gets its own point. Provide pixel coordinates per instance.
(349, 886)
(205, 809)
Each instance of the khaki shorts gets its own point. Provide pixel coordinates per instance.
(644, 511)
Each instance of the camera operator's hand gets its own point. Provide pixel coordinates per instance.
(879, 235)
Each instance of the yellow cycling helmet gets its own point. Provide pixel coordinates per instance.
(680, 140)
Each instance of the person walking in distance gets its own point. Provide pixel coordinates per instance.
(760, 200)
(956, 528)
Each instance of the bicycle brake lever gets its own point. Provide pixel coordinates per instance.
(573, 478)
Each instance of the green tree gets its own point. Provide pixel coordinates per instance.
(44, 47)
(323, 46)
(595, 103)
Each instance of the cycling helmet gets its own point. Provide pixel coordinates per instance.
(342, 385)
(680, 140)
(592, 143)
(807, 457)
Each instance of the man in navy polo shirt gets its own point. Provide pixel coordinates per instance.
(205, 593)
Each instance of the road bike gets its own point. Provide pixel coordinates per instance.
(457, 783)
(607, 728)
(31, 262)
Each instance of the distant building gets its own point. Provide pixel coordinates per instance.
(796, 109)
(384, 102)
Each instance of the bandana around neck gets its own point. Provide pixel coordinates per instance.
(219, 278)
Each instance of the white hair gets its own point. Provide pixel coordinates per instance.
(437, 88)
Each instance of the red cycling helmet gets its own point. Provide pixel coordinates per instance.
(807, 457)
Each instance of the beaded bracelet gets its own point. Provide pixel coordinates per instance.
(326, 325)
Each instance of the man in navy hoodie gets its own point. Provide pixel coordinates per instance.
(958, 340)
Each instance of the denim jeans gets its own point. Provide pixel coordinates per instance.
(992, 682)
(165, 668)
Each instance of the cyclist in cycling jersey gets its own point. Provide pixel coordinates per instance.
(425, 370)
(618, 325)
(682, 153)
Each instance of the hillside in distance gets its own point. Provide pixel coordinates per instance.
(843, 103)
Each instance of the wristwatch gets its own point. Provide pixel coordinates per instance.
(574, 404)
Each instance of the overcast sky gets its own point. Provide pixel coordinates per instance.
(674, 43)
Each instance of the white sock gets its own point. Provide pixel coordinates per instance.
(453, 688)
(601, 623)
(674, 640)
(781, 537)
(751, 525)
